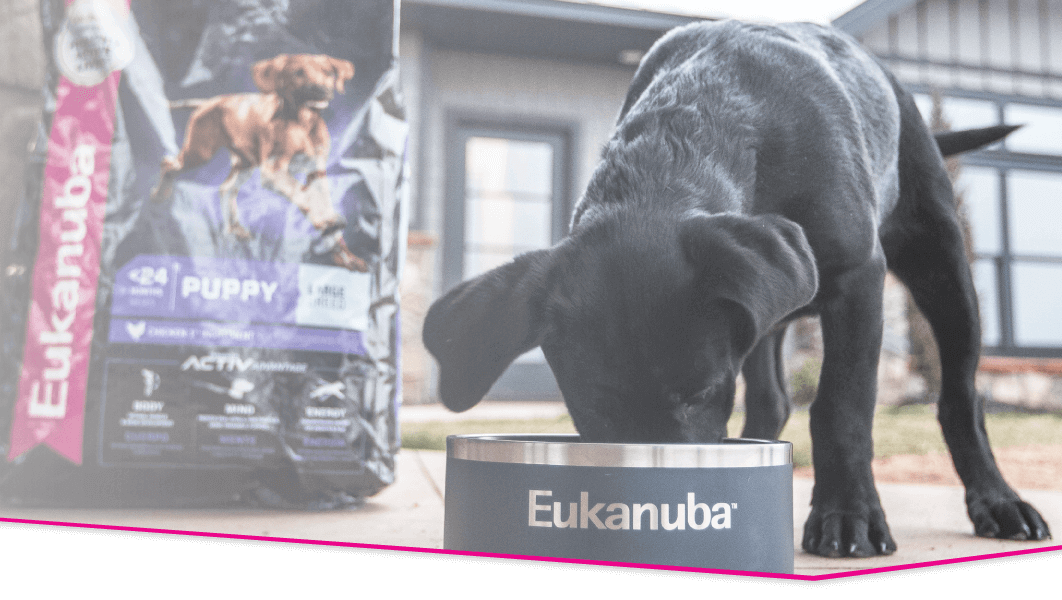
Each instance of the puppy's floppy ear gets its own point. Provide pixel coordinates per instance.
(264, 73)
(762, 263)
(478, 328)
(344, 70)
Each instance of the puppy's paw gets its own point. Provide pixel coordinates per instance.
(343, 257)
(350, 262)
(330, 225)
(171, 163)
(239, 232)
(838, 534)
(1010, 519)
(163, 189)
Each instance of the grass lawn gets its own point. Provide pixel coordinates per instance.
(906, 430)
(432, 435)
(914, 430)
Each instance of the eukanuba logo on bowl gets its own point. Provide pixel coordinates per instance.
(626, 516)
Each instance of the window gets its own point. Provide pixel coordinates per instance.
(979, 187)
(961, 113)
(1035, 202)
(508, 194)
(1040, 133)
(1013, 197)
(508, 200)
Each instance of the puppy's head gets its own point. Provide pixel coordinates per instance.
(644, 322)
(303, 79)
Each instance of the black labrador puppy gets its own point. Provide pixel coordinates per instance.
(756, 174)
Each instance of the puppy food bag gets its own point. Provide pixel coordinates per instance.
(203, 302)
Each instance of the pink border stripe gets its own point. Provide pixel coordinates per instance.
(308, 542)
(50, 407)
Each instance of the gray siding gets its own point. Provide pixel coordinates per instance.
(441, 84)
(1000, 46)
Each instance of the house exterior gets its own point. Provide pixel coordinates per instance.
(510, 102)
(991, 62)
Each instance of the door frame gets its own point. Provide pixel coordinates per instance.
(524, 381)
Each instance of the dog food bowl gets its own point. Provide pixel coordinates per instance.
(725, 506)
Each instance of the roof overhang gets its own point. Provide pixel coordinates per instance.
(544, 28)
(863, 17)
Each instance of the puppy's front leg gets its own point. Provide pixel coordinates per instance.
(229, 192)
(276, 177)
(767, 404)
(319, 142)
(846, 516)
(315, 201)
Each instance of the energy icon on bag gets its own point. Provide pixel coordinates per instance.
(328, 390)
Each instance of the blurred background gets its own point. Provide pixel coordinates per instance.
(511, 101)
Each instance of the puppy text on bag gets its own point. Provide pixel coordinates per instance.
(227, 288)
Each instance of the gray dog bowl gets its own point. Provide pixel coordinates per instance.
(716, 506)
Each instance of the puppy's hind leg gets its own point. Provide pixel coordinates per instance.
(201, 143)
(171, 167)
(923, 244)
(927, 254)
(767, 405)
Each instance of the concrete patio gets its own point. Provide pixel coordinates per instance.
(929, 523)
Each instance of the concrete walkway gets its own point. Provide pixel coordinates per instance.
(928, 522)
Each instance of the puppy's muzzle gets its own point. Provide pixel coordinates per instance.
(317, 97)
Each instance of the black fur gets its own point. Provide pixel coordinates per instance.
(756, 174)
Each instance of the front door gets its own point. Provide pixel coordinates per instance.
(507, 195)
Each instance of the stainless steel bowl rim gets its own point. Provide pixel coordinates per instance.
(567, 450)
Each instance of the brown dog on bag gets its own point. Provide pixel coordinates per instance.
(268, 130)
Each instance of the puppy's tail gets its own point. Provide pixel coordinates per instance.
(188, 103)
(957, 142)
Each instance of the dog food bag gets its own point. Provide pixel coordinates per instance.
(202, 307)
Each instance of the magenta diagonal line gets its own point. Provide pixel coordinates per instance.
(551, 559)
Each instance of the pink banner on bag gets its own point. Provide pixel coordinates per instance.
(50, 408)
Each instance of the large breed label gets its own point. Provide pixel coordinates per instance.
(51, 397)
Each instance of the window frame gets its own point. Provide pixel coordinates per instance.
(461, 128)
(522, 381)
(1004, 161)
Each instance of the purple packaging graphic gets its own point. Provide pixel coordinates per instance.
(204, 299)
